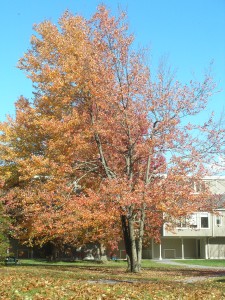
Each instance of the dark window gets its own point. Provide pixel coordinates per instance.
(218, 221)
(204, 222)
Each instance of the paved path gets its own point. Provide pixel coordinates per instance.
(175, 263)
(219, 271)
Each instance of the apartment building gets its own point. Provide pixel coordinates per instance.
(200, 235)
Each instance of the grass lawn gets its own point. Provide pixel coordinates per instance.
(86, 280)
(146, 263)
(204, 262)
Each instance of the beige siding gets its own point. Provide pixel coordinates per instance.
(219, 230)
(171, 248)
(216, 184)
(190, 248)
(217, 248)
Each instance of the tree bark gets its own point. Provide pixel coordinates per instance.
(140, 238)
(103, 256)
(133, 250)
(134, 257)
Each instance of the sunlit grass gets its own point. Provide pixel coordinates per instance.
(204, 262)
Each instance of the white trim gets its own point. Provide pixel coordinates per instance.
(213, 177)
(182, 248)
(206, 249)
(160, 251)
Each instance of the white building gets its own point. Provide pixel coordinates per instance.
(201, 235)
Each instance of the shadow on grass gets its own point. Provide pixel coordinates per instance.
(82, 264)
(192, 272)
(221, 280)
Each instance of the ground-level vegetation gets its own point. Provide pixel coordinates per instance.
(86, 280)
(204, 262)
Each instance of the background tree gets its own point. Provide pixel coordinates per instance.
(104, 145)
(4, 233)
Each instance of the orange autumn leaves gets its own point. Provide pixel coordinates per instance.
(99, 136)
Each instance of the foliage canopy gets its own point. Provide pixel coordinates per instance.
(91, 150)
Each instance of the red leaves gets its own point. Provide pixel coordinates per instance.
(100, 135)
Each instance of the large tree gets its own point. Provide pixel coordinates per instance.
(104, 145)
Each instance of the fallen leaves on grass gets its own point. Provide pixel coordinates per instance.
(34, 283)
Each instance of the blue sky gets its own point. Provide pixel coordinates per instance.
(190, 32)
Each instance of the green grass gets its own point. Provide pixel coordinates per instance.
(146, 263)
(35, 279)
(204, 262)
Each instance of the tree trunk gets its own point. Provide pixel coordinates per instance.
(133, 260)
(54, 252)
(103, 256)
(134, 257)
(126, 237)
(140, 237)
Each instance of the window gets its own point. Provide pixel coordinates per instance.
(199, 186)
(187, 221)
(204, 221)
(182, 222)
(193, 221)
(218, 220)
